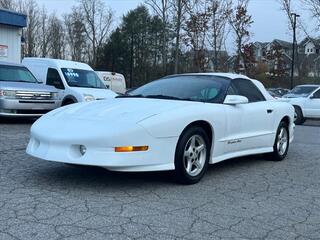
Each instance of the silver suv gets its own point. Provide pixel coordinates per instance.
(21, 95)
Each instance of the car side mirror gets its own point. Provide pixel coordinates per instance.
(312, 97)
(235, 100)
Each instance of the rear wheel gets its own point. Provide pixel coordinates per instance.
(298, 116)
(192, 156)
(281, 145)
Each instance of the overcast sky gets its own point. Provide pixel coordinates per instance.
(269, 21)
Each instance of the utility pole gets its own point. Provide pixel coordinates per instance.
(294, 44)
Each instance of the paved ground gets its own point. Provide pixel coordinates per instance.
(247, 198)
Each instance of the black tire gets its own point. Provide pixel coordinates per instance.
(67, 102)
(277, 154)
(200, 157)
(299, 119)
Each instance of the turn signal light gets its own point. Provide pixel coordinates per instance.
(131, 149)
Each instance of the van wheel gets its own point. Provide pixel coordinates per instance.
(67, 102)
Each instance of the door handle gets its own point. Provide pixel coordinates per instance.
(270, 111)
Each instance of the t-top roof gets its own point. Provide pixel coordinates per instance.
(11, 18)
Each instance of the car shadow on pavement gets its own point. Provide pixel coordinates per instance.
(17, 120)
(70, 176)
(236, 163)
(312, 123)
(85, 176)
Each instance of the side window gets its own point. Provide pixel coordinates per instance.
(232, 90)
(317, 94)
(54, 79)
(247, 89)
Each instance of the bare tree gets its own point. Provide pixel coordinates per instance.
(8, 4)
(57, 41)
(240, 21)
(44, 37)
(217, 33)
(75, 34)
(161, 9)
(314, 7)
(178, 12)
(98, 20)
(196, 30)
(31, 9)
(286, 6)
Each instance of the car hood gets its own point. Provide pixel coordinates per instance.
(97, 93)
(292, 95)
(21, 86)
(125, 110)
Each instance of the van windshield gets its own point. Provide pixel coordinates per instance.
(82, 78)
(16, 74)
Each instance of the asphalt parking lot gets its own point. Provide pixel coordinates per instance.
(247, 198)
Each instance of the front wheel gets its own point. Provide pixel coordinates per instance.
(192, 156)
(281, 145)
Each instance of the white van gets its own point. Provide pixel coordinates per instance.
(114, 81)
(77, 82)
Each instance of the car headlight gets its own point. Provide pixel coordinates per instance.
(88, 97)
(8, 93)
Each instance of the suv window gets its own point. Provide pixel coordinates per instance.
(54, 79)
(247, 89)
(317, 94)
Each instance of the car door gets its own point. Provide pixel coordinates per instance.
(249, 126)
(312, 105)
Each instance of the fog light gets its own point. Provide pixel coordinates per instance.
(83, 150)
(131, 149)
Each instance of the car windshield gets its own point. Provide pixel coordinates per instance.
(16, 74)
(82, 78)
(303, 90)
(186, 87)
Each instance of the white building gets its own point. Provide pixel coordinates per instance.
(312, 46)
(11, 24)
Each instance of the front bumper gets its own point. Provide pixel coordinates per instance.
(62, 144)
(26, 108)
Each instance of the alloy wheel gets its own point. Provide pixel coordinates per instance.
(195, 154)
(282, 143)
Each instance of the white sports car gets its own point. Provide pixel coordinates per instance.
(181, 123)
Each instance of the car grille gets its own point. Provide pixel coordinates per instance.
(33, 95)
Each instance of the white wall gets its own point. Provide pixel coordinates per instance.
(11, 37)
(310, 48)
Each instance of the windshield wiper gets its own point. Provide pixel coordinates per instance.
(156, 97)
(130, 96)
(81, 86)
(77, 85)
(168, 97)
(3, 80)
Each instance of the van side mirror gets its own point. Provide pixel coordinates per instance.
(235, 100)
(57, 84)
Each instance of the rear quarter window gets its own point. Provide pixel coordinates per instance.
(248, 89)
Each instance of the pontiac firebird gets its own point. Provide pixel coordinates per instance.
(181, 123)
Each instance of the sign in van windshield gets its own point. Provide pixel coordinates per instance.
(71, 73)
